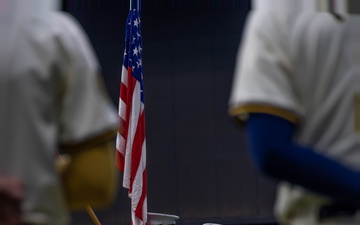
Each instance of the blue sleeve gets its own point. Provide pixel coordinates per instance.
(275, 154)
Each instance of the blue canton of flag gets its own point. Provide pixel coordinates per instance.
(133, 47)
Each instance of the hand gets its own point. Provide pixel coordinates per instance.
(11, 196)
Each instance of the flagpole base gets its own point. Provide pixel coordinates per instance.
(161, 219)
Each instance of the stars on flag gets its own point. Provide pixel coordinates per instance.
(135, 51)
(135, 45)
(133, 48)
(139, 63)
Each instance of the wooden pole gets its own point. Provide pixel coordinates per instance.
(92, 215)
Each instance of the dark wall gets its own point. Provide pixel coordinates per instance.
(198, 164)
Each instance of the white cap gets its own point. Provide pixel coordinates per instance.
(34, 5)
(159, 218)
(339, 6)
(306, 5)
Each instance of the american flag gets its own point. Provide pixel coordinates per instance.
(131, 142)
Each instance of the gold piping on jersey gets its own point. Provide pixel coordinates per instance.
(89, 143)
(356, 112)
(241, 112)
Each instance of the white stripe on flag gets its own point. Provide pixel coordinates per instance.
(124, 76)
(133, 120)
(122, 109)
(120, 144)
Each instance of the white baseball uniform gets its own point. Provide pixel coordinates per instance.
(304, 67)
(50, 97)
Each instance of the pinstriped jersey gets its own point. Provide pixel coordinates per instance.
(303, 67)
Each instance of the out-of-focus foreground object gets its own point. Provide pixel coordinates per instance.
(52, 98)
(11, 196)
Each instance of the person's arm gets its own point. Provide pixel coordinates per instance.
(90, 177)
(277, 155)
(87, 120)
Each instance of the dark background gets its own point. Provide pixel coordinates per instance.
(197, 160)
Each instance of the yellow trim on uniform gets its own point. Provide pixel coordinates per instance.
(89, 143)
(242, 111)
(94, 185)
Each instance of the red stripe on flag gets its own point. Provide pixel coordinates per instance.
(137, 145)
(128, 101)
(123, 90)
(126, 96)
(139, 208)
(120, 158)
(120, 161)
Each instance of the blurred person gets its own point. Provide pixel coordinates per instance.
(51, 99)
(296, 90)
